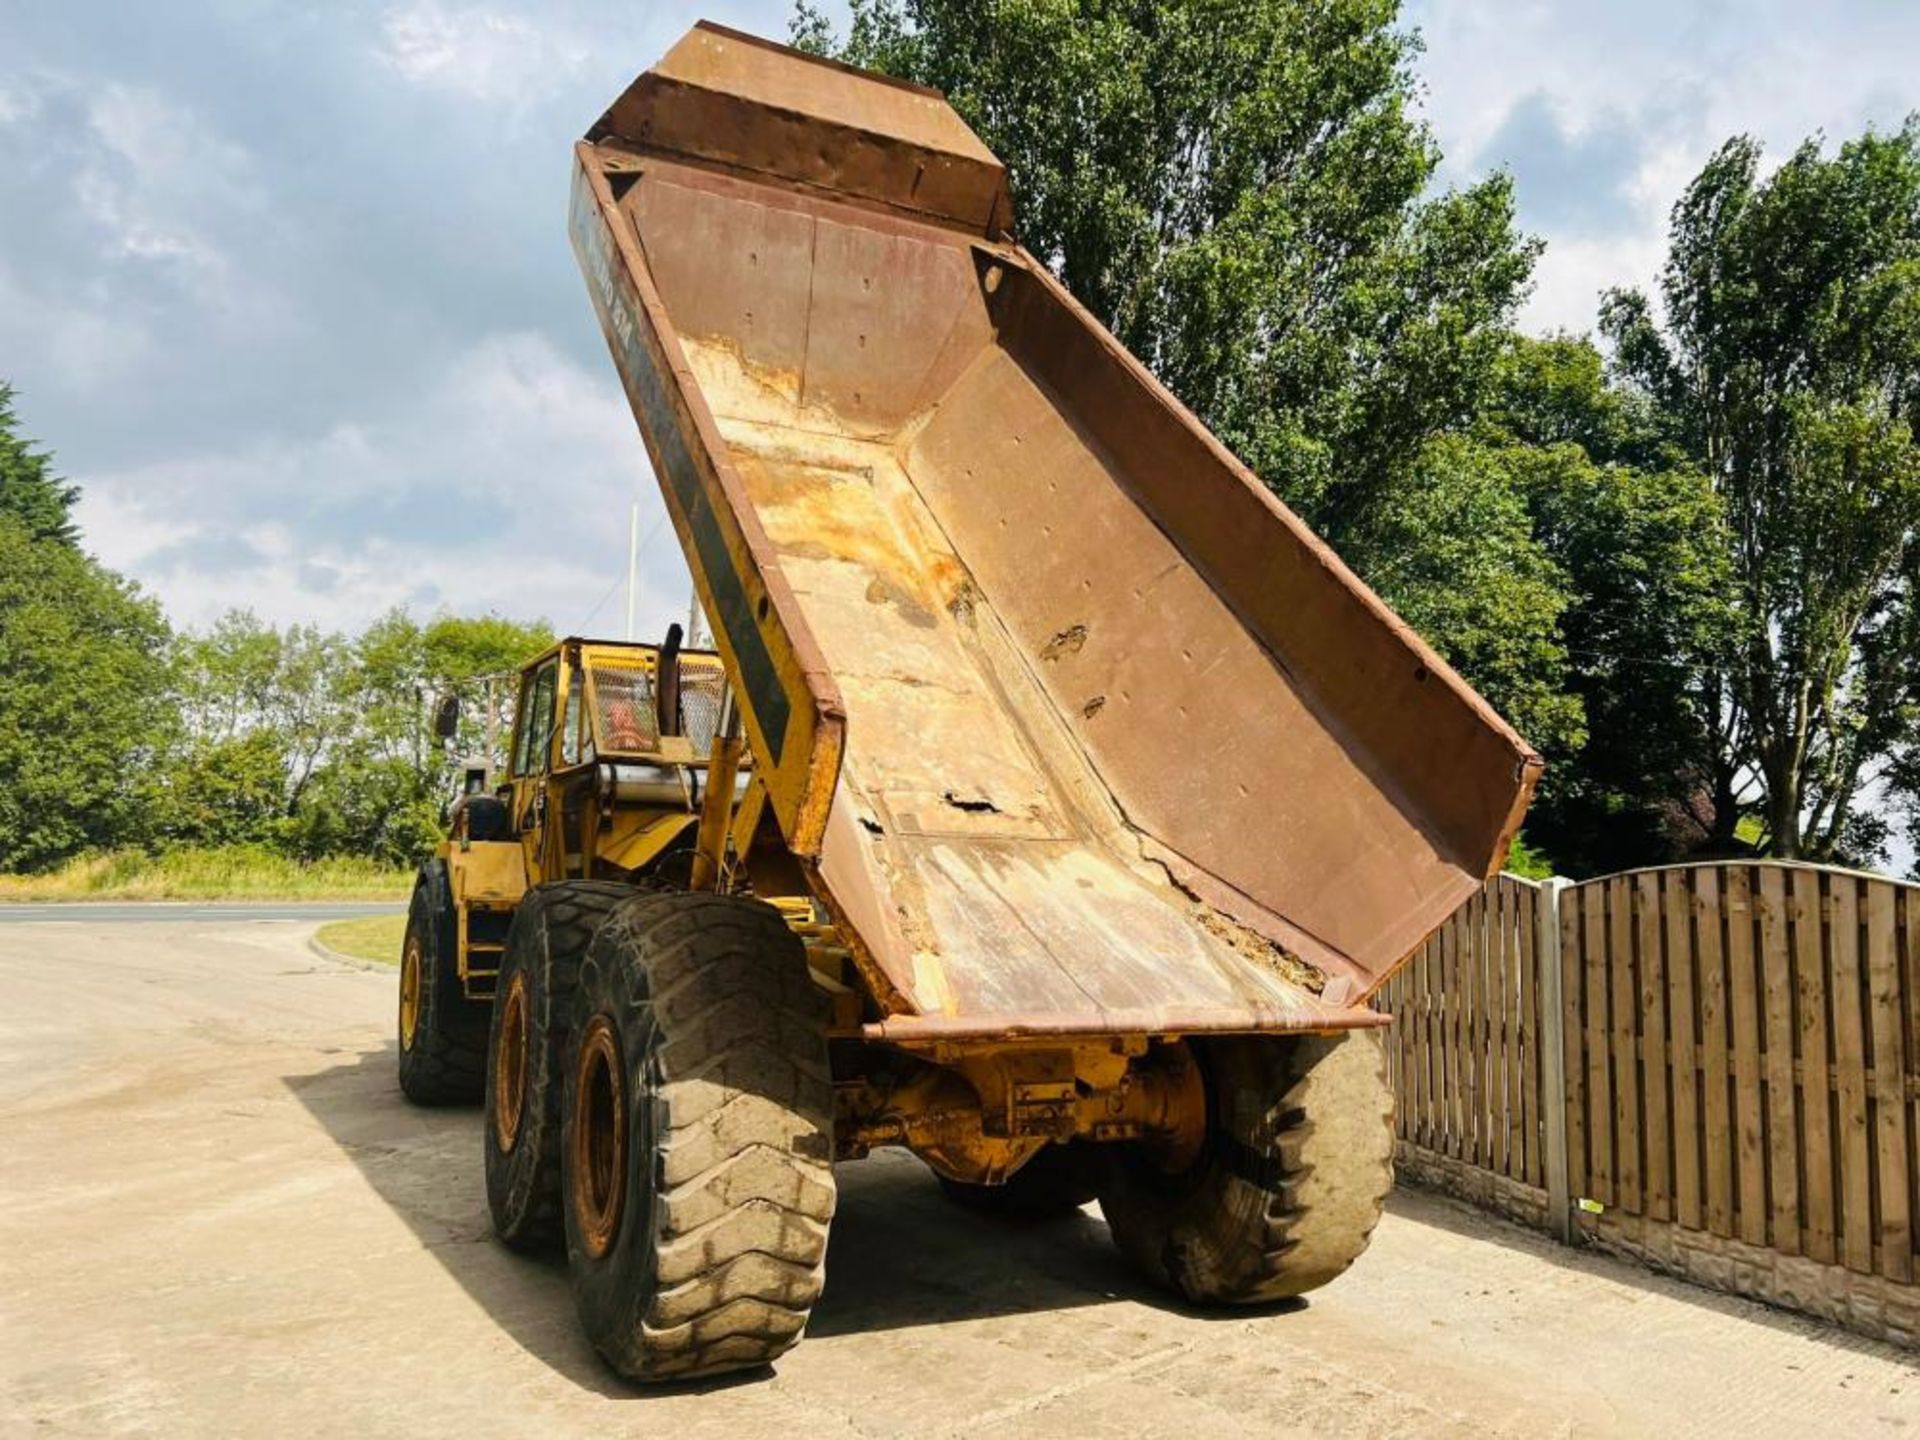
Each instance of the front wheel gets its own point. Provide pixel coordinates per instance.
(697, 1137)
(442, 1034)
(1285, 1190)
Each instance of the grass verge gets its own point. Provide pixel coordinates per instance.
(235, 873)
(376, 937)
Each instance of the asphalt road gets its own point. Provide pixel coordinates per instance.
(218, 1218)
(145, 912)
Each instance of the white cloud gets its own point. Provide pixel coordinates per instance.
(68, 341)
(128, 188)
(157, 174)
(505, 486)
(1571, 276)
(133, 233)
(1678, 80)
(162, 139)
(477, 52)
(342, 589)
(115, 531)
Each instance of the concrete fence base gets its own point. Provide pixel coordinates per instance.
(1711, 1069)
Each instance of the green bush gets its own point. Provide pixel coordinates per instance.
(237, 872)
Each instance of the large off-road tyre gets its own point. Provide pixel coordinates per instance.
(533, 1003)
(1052, 1185)
(443, 1034)
(1289, 1183)
(697, 1137)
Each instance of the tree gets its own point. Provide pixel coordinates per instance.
(31, 494)
(385, 786)
(221, 791)
(1451, 548)
(321, 744)
(1555, 390)
(84, 706)
(1240, 193)
(245, 680)
(1637, 532)
(1787, 370)
(1902, 780)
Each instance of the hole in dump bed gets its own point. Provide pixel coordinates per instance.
(971, 805)
(1066, 642)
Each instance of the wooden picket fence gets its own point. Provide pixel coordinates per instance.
(1464, 1053)
(1715, 1068)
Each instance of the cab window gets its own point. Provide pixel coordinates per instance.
(570, 725)
(536, 723)
(624, 697)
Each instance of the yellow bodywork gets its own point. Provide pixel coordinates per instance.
(489, 873)
(486, 877)
(593, 789)
(639, 840)
(592, 792)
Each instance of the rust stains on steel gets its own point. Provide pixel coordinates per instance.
(733, 100)
(1096, 680)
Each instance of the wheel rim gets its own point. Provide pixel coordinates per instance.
(599, 1137)
(410, 992)
(1177, 1144)
(512, 1058)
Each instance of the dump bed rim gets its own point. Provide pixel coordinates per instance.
(907, 1029)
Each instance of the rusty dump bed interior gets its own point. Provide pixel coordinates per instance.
(1076, 728)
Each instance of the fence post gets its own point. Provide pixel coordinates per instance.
(1553, 1060)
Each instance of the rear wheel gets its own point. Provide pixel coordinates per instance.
(697, 1137)
(443, 1034)
(1288, 1185)
(552, 928)
(1053, 1184)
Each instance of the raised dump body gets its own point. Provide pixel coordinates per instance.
(1074, 727)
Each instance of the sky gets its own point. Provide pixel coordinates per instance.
(286, 286)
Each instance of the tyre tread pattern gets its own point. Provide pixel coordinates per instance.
(1335, 1146)
(448, 1062)
(743, 1124)
(1302, 1165)
(552, 929)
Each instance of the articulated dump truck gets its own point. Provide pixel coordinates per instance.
(1051, 803)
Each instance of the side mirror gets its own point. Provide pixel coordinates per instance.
(446, 717)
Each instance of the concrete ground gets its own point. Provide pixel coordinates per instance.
(217, 1217)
